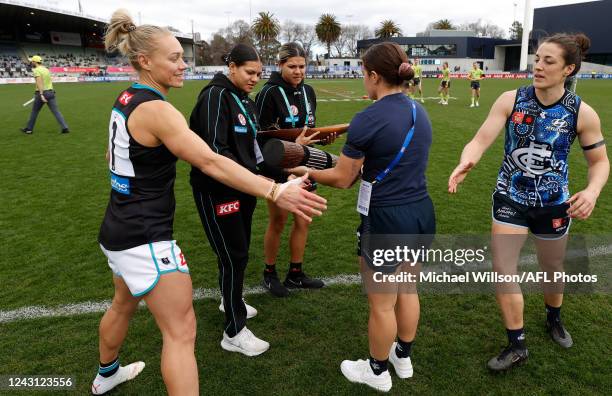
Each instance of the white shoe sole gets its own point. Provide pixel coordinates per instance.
(349, 376)
(233, 348)
(402, 373)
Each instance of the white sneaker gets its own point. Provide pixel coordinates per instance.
(402, 366)
(244, 342)
(441, 102)
(445, 103)
(360, 372)
(102, 385)
(422, 100)
(251, 311)
(472, 105)
(477, 104)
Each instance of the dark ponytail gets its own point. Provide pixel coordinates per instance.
(241, 54)
(389, 61)
(575, 47)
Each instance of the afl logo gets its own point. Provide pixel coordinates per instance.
(241, 119)
(294, 110)
(533, 160)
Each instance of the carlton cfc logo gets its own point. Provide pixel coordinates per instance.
(534, 160)
(125, 98)
(294, 110)
(227, 208)
(241, 119)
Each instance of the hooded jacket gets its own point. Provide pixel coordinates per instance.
(226, 119)
(274, 111)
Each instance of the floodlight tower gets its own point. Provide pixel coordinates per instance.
(527, 25)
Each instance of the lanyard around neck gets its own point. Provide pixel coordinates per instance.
(293, 118)
(247, 115)
(400, 154)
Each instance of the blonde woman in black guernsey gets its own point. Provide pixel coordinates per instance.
(146, 136)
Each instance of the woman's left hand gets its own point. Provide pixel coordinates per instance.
(582, 204)
(329, 139)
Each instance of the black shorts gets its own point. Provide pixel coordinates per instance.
(548, 222)
(475, 84)
(444, 84)
(417, 81)
(411, 219)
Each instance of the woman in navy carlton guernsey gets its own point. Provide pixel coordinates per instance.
(399, 202)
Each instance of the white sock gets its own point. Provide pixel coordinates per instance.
(102, 384)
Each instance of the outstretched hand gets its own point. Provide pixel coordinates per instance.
(459, 175)
(292, 197)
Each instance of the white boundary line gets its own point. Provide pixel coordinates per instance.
(88, 307)
(369, 100)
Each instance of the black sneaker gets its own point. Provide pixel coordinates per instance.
(272, 283)
(299, 280)
(511, 356)
(65, 130)
(26, 131)
(559, 334)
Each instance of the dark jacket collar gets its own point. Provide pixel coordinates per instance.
(277, 79)
(221, 80)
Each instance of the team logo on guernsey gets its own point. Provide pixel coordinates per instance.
(522, 118)
(120, 184)
(533, 160)
(125, 98)
(227, 208)
(294, 110)
(557, 223)
(241, 119)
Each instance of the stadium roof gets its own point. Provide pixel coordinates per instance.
(28, 16)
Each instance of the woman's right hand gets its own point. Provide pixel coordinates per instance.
(292, 197)
(306, 140)
(459, 175)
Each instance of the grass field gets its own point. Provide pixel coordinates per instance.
(55, 190)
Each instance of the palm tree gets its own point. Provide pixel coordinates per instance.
(443, 24)
(266, 28)
(328, 30)
(387, 29)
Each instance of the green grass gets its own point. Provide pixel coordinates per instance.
(55, 190)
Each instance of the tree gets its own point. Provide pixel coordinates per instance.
(483, 29)
(328, 30)
(387, 29)
(203, 53)
(239, 32)
(516, 31)
(353, 34)
(219, 46)
(307, 37)
(443, 24)
(266, 29)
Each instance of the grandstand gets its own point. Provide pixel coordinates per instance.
(69, 43)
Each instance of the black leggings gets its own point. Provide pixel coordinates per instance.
(227, 218)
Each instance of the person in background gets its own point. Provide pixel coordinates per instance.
(44, 94)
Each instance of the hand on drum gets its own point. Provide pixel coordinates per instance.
(306, 140)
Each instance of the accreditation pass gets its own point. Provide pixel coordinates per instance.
(363, 201)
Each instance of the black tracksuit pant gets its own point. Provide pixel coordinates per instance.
(227, 218)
